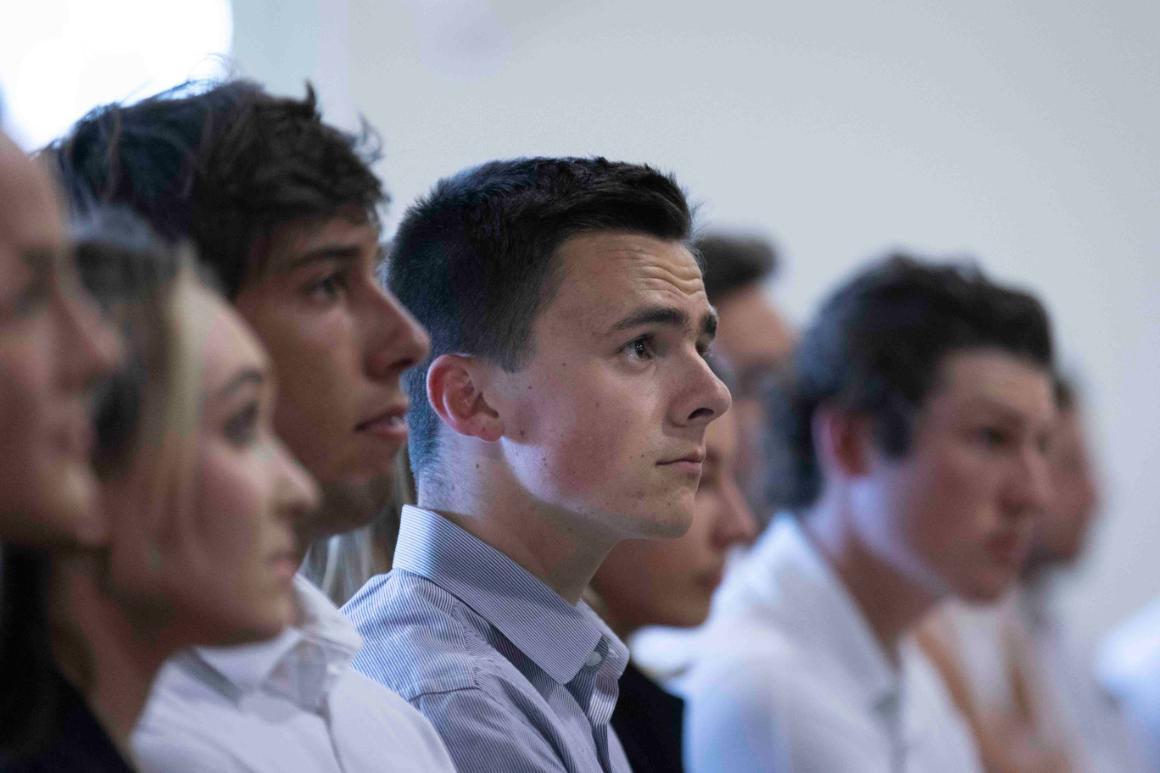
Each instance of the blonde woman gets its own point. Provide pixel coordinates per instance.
(199, 495)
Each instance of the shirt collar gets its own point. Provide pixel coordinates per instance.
(787, 576)
(302, 663)
(556, 635)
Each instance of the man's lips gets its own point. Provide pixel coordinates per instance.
(689, 463)
(390, 424)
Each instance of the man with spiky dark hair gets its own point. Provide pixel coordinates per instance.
(283, 208)
(915, 427)
(563, 409)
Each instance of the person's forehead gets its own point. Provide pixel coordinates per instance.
(613, 271)
(752, 331)
(349, 236)
(30, 213)
(996, 379)
(227, 342)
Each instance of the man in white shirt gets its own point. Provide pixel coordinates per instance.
(1025, 687)
(282, 208)
(916, 421)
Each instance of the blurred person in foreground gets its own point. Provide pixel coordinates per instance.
(670, 583)
(563, 410)
(916, 418)
(282, 207)
(54, 348)
(1031, 699)
(198, 493)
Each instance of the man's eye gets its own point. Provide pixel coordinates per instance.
(328, 287)
(641, 348)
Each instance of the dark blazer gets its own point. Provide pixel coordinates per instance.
(648, 720)
(78, 742)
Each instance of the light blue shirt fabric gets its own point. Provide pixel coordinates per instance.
(513, 677)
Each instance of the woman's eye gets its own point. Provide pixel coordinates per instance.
(242, 428)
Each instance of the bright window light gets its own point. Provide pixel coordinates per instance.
(60, 58)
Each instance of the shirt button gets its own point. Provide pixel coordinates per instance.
(594, 659)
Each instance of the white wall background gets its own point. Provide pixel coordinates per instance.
(1026, 134)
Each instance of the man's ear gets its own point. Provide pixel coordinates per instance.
(454, 390)
(842, 441)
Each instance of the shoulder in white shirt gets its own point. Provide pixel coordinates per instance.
(289, 704)
(789, 677)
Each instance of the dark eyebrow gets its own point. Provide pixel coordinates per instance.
(342, 253)
(42, 259)
(668, 316)
(240, 379)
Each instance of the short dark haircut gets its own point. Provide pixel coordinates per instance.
(220, 165)
(733, 262)
(474, 260)
(876, 348)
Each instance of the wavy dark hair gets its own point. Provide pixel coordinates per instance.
(221, 165)
(875, 349)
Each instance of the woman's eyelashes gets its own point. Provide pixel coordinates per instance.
(241, 428)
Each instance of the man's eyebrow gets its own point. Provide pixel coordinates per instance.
(668, 316)
(1005, 411)
(343, 253)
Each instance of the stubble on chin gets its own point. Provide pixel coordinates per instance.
(347, 506)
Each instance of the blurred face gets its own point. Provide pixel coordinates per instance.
(605, 424)
(953, 516)
(1061, 528)
(754, 341)
(338, 343)
(53, 346)
(225, 565)
(671, 582)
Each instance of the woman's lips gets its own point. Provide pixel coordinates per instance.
(1008, 547)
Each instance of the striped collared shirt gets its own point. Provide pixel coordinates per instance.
(512, 676)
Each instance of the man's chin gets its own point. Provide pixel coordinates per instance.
(349, 505)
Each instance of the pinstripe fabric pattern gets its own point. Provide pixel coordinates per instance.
(512, 676)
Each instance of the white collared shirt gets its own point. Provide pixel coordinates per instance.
(789, 677)
(289, 704)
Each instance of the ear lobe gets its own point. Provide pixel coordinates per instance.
(842, 441)
(454, 391)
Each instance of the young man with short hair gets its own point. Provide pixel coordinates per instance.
(916, 425)
(563, 409)
(283, 208)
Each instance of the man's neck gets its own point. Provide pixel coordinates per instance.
(551, 544)
(889, 602)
